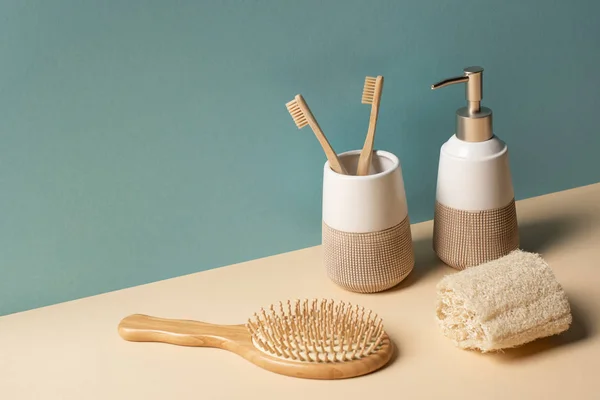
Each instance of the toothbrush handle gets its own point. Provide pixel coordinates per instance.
(364, 162)
(332, 157)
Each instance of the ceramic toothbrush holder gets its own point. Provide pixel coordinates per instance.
(367, 242)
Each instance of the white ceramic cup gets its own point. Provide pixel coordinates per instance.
(366, 230)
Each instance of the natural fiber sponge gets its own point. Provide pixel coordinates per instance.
(502, 303)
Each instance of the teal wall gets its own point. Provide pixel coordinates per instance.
(141, 140)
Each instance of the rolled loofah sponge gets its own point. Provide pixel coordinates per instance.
(502, 303)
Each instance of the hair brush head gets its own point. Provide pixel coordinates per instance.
(317, 331)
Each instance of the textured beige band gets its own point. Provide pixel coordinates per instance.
(464, 239)
(368, 262)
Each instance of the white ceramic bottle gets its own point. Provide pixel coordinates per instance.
(475, 218)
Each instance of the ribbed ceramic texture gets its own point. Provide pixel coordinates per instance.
(464, 239)
(368, 262)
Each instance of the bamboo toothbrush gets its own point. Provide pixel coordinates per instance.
(302, 116)
(316, 339)
(371, 95)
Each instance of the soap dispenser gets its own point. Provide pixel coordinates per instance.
(475, 218)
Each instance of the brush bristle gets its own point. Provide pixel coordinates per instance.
(319, 331)
(297, 114)
(369, 90)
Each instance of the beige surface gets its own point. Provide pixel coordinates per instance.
(72, 350)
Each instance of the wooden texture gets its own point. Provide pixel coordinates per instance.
(237, 339)
(370, 96)
(308, 118)
(72, 351)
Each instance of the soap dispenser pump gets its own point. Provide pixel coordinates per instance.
(475, 218)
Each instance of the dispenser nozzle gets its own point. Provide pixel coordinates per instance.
(449, 81)
(474, 88)
(474, 123)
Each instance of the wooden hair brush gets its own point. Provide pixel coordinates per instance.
(371, 95)
(305, 339)
(302, 116)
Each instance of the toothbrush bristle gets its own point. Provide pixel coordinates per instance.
(297, 114)
(369, 90)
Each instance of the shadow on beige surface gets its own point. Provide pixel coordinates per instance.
(580, 330)
(426, 262)
(536, 236)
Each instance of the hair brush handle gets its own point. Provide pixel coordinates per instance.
(144, 328)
